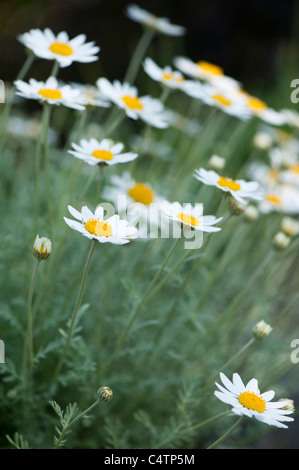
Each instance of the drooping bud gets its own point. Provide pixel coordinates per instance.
(290, 226)
(216, 163)
(105, 394)
(251, 213)
(281, 241)
(262, 329)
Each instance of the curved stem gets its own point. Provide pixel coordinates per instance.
(67, 428)
(194, 428)
(77, 306)
(228, 433)
(138, 55)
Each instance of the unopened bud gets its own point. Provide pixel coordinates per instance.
(236, 207)
(262, 140)
(42, 247)
(251, 213)
(105, 394)
(290, 227)
(281, 241)
(216, 163)
(289, 406)
(262, 329)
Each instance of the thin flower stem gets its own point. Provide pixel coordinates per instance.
(227, 434)
(74, 316)
(47, 161)
(229, 311)
(191, 429)
(37, 164)
(141, 304)
(55, 69)
(100, 182)
(232, 359)
(138, 55)
(30, 350)
(8, 105)
(74, 421)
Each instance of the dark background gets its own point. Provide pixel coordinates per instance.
(253, 40)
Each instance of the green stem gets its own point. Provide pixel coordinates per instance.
(74, 316)
(232, 359)
(100, 182)
(138, 55)
(9, 102)
(30, 351)
(55, 69)
(193, 428)
(74, 421)
(142, 303)
(47, 162)
(227, 434)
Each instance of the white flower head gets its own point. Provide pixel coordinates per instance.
(248, 401)
(207, 72)
(159, 25)
(105, 152)
(126, 97)
(51, 92)
(190, 216)
(166, 76)
(260, 109)
(239, 189)
(93, 226)
(42, 247)
(281, 198)
(46, 45)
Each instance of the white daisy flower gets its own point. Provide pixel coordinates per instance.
(125, 96)
(93, 226)
(46, 45)
(261, 110)
(104, 152)
(51, 92)
(226, 100)
(124, 192)
(281, 198)
(159, 25)
(239, 189)
(206, 72)
(290, 175)
(166, 76)
(247, 400)
(190, 216)
(92, 95)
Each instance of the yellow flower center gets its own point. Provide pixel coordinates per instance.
(222, 100)
(171, 76)
(256, 105)
(98, 227)
(142, 193)
(188, 219)
(272, 198)
(295, 169)
(61, 48)
(251, 401)
(102, 154)
(50, 93)
(210, 68)
(229, 183)
(132, 102)
(273, 174)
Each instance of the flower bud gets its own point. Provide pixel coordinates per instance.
(236, 207)
(290, 227)
(105, 394)
(262, 329)
(262, 140)
(289, 406)
(251, 213)
(42, 247)
(281, 241)
(216, 163)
